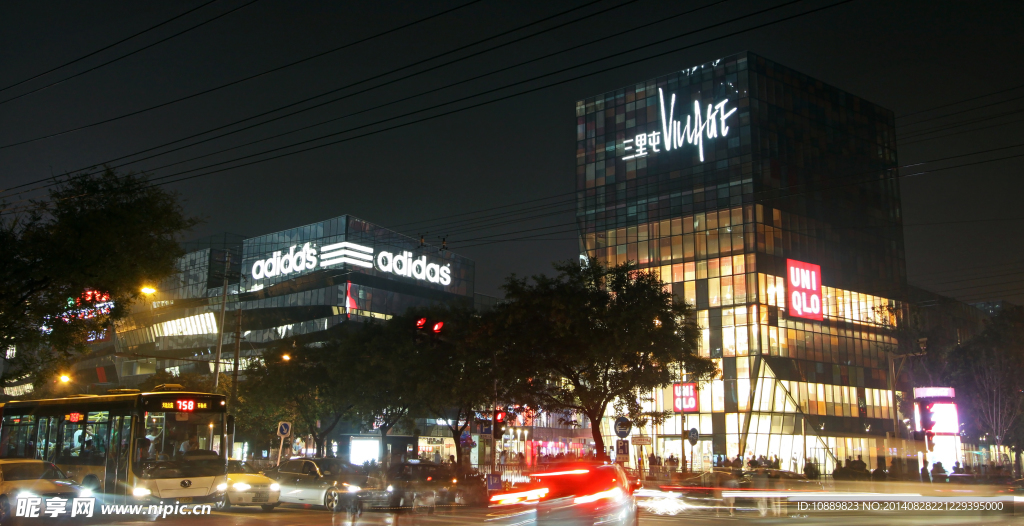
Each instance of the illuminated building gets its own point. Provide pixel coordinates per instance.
(296, 284)
(724, 178)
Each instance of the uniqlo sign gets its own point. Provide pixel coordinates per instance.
(684, 398)
(803, 282)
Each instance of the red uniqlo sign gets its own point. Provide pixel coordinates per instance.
(684, 398)
(803, 282)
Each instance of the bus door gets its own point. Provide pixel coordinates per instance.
(116, 473)
(47, 446)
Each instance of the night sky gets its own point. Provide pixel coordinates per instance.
(962, 225)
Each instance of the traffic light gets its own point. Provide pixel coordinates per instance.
(498, 424)
(435, 326)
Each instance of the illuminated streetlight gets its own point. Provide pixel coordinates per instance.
(148, 290)
(65, 378)
(286, 357)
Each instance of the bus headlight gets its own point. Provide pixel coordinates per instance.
(141, 492)
(222, 486)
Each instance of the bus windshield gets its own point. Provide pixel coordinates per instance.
(181, 444)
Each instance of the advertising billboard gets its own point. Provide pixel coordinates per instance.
(803, 290)
(684, 398)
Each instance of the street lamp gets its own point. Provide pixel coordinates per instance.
(64, 378)
(148, 290)
(286, 357)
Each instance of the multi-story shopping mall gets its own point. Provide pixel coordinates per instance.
(770, 201)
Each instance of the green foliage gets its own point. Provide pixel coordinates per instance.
(108, 233)
(986, 373)
(593, 335)
(300, 388)
(457, 378)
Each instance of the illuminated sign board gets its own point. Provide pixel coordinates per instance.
(182, 404)
(684, 398)
(934, 392)
(803, 282)
(674, 135)
(186, 405)
(300, 259)
(947, 422)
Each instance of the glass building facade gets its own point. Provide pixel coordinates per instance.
(714, 177)
(294, 284)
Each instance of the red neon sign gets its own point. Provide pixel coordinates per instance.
(803, 281)
(684, 398)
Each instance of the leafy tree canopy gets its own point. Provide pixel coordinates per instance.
(76, 261)
(592, 335)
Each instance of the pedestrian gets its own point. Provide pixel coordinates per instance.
(437, 456)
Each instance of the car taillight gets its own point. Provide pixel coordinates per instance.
(522, 496)
(612, 494)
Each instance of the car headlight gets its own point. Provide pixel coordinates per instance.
(222, 486)
(241, 486)
(390, 488)
(86, 492)
(353, 489)
(275, 487)
(141, 492)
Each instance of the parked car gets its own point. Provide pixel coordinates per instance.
(420, 486)
(328, 482)
(26, 477)
(247, 487)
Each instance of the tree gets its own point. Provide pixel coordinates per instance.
(381, 364)
(593, 335)
(986, 375)
(300, 386)
(459, 376)
(75, 262)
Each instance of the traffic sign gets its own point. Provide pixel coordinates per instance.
(284, 429)
(623, 426)
(493, 481)
(622, 448)
(694, 436)
(641, 441)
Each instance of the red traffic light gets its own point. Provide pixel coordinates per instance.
(421, 323)
(437, 326)
(499, 417)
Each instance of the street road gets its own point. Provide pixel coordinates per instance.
(288, 515)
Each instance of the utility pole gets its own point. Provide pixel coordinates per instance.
(220, 332)
(238, 351)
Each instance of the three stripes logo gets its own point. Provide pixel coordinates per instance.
(346, 252)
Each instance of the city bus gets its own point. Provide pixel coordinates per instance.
(163, 445)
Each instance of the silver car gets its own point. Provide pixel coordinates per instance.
(327, 482)
(26, 478)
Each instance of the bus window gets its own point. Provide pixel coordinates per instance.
(17, 437)
(179, 444)
(85, 438)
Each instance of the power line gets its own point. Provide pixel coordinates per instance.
(905, 115)
(102, 49)
(279, 108)
(365, 90)
(531, 90)
(126, 55)
(507, 86)
(232, 83)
